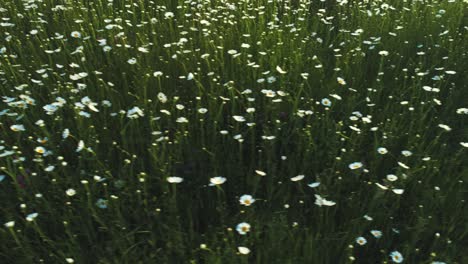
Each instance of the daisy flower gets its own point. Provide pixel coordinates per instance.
(297, 178)
(246, 200)
(382, 150)
(319, 200)
(168, 15)
(75, 34)
(445, 127)
(361, 241)
(401, 164)
(396, 257)
(162, 97)
(182, 120)
(143, 50)
(245, 45)
(314, 184)
(31, 217)
(65, 133)
(381, 186)
(376, 233)
(392, 177)
(355, 165)
(10, 224)
(462, 111)
(243, 250)
(40, 150)
(17, 128)
(190, 76)
(157, 74)
(70, 192)
(135, 112)
(326, 102)
(239, 118)
(243, 228)
(383, 53)
(341, 81)
(260, 173)
(101, 203)
(174, 179)
(81, 146)
(217, 180)
(406, 153)
(281, 71)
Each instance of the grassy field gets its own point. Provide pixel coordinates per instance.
(222, 131)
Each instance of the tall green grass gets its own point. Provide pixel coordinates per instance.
(121, 95)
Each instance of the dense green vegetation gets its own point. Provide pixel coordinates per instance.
(222, 131)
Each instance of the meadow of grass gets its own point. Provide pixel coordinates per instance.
(222, 131)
